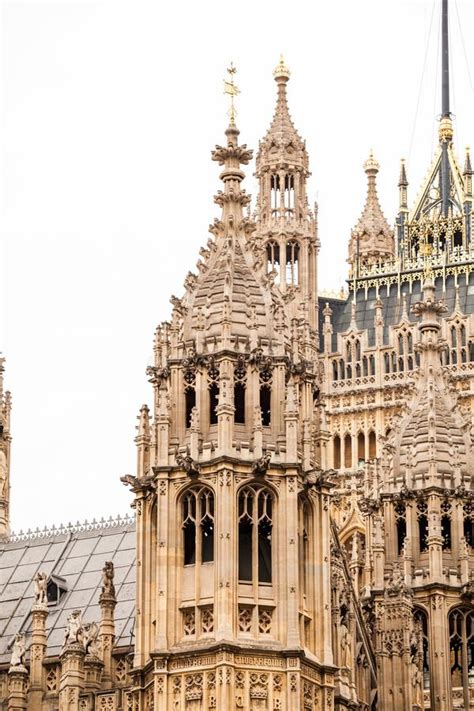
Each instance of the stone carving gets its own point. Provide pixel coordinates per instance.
(74, 628)
(18, 651)
(90, 633)
(41, 584)
(3, 474)
(260, 466)
(108, 587)
(346, 646)
(188, 464)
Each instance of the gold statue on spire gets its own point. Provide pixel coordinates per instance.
(231, 90)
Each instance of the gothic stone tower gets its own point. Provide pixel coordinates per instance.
(233, 526)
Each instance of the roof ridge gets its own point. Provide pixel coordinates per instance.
(63, 529)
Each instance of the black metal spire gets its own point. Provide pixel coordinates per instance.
(445, 61)
(445, 133)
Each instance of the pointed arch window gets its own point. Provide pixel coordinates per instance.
(265, 379)
(213, 387)
(273, 259)
(422, 513)
(255, 522)
(289, 196)
(198, 525)
(275, 194)
(292, 263)
(240, 385)
(189, 395)
(461, 650)
(347, 451)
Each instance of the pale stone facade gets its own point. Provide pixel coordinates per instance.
(304, 507)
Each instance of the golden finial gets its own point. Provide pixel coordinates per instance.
(281, 71)
(231, 90)
(371, 164)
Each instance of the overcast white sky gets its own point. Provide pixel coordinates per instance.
(109, 112)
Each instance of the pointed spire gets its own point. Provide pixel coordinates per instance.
(467, 174)
(282, 143)
(372, 238)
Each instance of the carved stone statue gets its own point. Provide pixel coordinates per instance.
(18, 651)
(74, 628)
(41, 583)
(90, 633)
(108, 587)
(346, 646)
(417, 683)
(3, 473)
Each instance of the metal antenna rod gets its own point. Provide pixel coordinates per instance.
(445, 61)
(445, 113)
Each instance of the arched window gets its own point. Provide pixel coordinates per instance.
(372, 445)
(255, 511)
(347, 451)
(337, 452)
(275, 194)
(189, 394)
(360, 448)
(198, 525)
(213, 384)
(401, 524)
(422, 512)
(273, 259)
(468, 523)
(292, 263)
(446, 525)
(461, 649)
(266, 396)
(420, 649)
(289, 197)
(240, 383)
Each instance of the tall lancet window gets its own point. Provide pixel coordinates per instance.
(273, 259)
(189, 394)
(255, 512)
(266, 396)
(198, 525)
(213, 385)
(275, 194)
(240, 385)
(289, 197)
(292, 263)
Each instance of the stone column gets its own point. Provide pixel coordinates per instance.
(72, 676)
(39, 613)
(17, 688)
(107, 602)
(225, 410)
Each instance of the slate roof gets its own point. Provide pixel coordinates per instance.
(392, 306)
(77, 554)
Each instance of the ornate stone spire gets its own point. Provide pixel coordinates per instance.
(432, 444)
(286, 236)
(282, 140)
(371, 239)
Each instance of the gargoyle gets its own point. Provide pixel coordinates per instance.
(189, 465)
(260, 466)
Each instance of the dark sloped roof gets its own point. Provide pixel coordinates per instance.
(77, 554)
(392, 305)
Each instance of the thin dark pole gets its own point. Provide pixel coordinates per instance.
(445, 112)
(445, 61)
